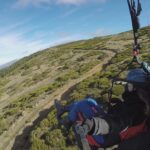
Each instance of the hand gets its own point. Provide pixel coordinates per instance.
(81, 130)
(85, 128)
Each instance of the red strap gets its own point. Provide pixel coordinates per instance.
(133, 131)
(92, 142)
(80, 118)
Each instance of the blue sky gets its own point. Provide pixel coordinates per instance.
(27, 26)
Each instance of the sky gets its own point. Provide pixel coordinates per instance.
(27, 26)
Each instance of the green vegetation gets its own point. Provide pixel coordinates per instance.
(49, 136)
(33, 78)
(97, 84)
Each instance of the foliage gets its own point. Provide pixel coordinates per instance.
(42, 73)
(3, 125)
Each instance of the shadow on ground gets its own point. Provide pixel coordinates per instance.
(66, 94)
(22, 142)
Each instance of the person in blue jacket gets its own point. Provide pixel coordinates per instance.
(78, 111)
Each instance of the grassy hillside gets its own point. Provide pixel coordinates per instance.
(95, 85)
(23, 84)
(31, 81)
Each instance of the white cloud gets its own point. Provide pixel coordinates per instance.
(15, 41)
(100, 32)
(69, 12)
(25, 3)
(77, 2)
(96, 33)
(71, 1)
(15, 45)
(13, 26)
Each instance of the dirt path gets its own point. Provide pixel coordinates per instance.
(8, 138)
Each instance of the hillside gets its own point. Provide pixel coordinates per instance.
(68, 72)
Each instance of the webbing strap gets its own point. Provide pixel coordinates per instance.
(135, 12)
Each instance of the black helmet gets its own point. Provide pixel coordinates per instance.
(138, 77)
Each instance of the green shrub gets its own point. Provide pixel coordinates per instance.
(3, 125)
(55, 139)
(118, 90)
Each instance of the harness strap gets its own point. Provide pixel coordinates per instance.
(130, 132)
(92, 141)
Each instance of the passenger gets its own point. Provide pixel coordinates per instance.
(78, 111)
(123, 121)
(130, 121)
(142, 141)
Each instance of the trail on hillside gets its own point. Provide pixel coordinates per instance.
(16, 138)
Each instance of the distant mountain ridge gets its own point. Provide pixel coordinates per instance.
(8, 64)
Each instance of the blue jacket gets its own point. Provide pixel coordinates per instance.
(87, 108)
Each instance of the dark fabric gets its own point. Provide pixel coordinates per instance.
(135, 107)
(133, 131)
(92, 126)
(141, 142)
(125, 114)
(129, 113)
(148, 122)
(110, 140)
(78, 139)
